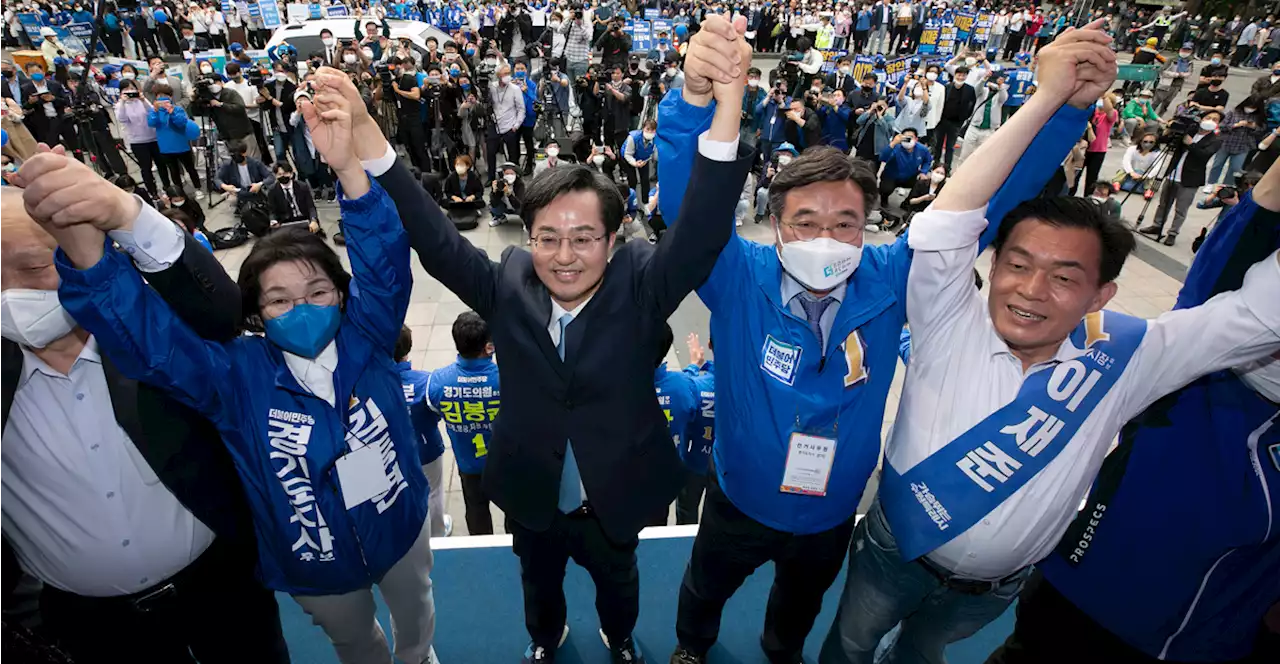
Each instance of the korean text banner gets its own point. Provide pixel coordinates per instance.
(929, 37)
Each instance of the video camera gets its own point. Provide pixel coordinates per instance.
(256, 75)
(383, 72)
(1182, 126)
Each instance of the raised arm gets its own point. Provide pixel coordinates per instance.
(446, 255)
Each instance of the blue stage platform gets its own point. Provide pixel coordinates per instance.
(480, 616)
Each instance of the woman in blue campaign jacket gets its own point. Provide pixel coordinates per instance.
(313, 411)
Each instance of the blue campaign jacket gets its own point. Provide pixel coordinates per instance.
(466, 395)
(284, 440)
(701, 435)
(678, 399)
(414, 382)
(1177, 550)
(639, 148)
(760, 407)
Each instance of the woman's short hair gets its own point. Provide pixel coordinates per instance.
(464, 159)
(285, 245)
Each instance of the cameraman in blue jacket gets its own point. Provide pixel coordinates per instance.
(312, 410)
(808, 329)
(1176, 553)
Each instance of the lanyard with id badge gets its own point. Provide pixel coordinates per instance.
(810, 455)
(361, 474)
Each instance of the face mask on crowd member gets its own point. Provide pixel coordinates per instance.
(572, 216)
(461, 167)
(327, 39)
(818, 208)
(30, 313)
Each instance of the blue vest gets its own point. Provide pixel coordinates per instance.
(642, 149)
(701, 435)
(430, 444)
(466, 396)
(1019, 82)
(678, 399)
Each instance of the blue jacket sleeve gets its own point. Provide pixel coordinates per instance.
(1245, 235)
(378, 248)
(904, 345)
(1032, 172)
(142, 336)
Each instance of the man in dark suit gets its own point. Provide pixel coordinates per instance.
(191, 41)
(14, 79)
(1184, 174)
(247, 178)
(291, 201)
(44, 100)
(122, 501)
(842, 78)
(580, 459)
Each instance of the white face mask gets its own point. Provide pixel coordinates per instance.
(462, 170)
(279, 76)
(598, 160)
(783, 160)
(816, 90)
(845, 71)
(505, 80)
(1208, 125)
(971, 61)
(206, 70)
(509, 177)
(819, 264)
(937, 177)
(753, 82)
(33, 318)
(648, 135)
(328, 41)
(128, 76)
(1263, 375)
(931, 76)
(215, 88)
(349, 58)
(553, 151)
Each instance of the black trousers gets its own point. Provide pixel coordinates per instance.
(543, 557)
(887, 185)
(1092, 167)
(415, 141)
(689, 498)
(859, 40)
(944, 138)
(899, 37)
(479, 519)
(1050, 629)
(1012, 45)
(147, 154)
(263, 148)
(213, 611)
(730, 546)
(530, 150)
(175, 162)
(643, 176)
(494, 143)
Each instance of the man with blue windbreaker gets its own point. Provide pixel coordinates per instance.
(677, 397)
(808, 328)
(430, 444)
(1175, 555)
(466, 395)
(701, 434)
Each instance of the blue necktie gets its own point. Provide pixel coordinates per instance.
(813, 310)
(570, 478)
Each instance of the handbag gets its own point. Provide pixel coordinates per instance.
(228, 238)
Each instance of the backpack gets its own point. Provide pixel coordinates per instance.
(227, 238)
(254, 215)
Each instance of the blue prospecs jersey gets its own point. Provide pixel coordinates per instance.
(701, 434)
(1019, 82)
(414, 382)
(678, 398)
(466, 396)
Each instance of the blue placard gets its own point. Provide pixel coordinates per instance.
(662, 25)
(641, 36)
(30, 22)
(316, 11)
(270, 12)
(254, 12)
(336, 11)
(652, 14)
(964, 26)
(226, 8)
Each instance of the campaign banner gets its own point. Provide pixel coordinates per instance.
(641, 36)
(662, 25)
(270, 12)
(336, 11)
(242, 6)
(829, 58)
(896, 70)
(296, 12)
(862, 65)
(214, 56)
(929, 37)
(83, 35)
(31, 24)
(947, 39)
(254, 10)
(981, 30)
(315, 10)
(964, 26)
(226, 8)
(652, 14)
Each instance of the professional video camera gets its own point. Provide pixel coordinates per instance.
(1183, 125)
(256, 75)
(203, 87)
(383, 72)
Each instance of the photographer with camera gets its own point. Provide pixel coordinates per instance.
(251, 97)
(810, 61)
(226, 108)
(398, 77)
(157, 74)
(132, 110)
(505, 195)
(590, 105)
(506, 102)
(616, 96)
(529, 89)
(577, 45)
(834, 115)
(433, 88)
(246, 177)
(771, 113)
(515, 33)
(553, 91)
(1184, 174)
(803, 129)
(277, 100)
(88, 112)
(615, 46)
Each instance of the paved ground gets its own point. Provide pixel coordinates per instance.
(1148, 286)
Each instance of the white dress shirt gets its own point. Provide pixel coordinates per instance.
(250, 96)
(961, 371)
(84, 510)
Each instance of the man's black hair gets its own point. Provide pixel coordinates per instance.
(284, 166)
(1071, 212)
(173, 191)
(667, 338)
(752, 71)
(237, 146)
(471, 335)
(285, 245)
(913, 130)
(556, 181)
(962, 69)
(404, 344)
(822, 164)
(870, 76)
(232, 68)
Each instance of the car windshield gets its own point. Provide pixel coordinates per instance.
(306, 45)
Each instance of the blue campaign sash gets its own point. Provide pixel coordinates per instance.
(958, 485)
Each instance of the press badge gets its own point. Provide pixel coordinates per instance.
(809, 460)
(362, 476)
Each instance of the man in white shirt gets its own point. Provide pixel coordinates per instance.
(999, 28)
(955, 527)
(986, 115)
(121, 501)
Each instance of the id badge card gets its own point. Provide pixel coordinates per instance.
(809, 459)
(362, 476)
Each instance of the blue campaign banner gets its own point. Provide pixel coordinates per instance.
(662, 25)
(226, 8)
(335, 11)
(641, 36)
(896, 70)
(862, 65)
(929, 37)
(981, 29)
(964, 26)
(651, 14)
(947, 39)
(316, 11)
(829, 58)
(30, 22)
(270, 12)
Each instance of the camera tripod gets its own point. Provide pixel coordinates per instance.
(1165, 151)
(209, 152)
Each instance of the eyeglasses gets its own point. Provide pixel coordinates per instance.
(550, 244)
(322, 296)
(844, 231)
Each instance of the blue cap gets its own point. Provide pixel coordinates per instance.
(1188, 45)
(235, 47)
(787, 147)
(161, 17)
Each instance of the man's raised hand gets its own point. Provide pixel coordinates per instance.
(1078, 67)
(369, 141)
(717, 55)
(59, 192)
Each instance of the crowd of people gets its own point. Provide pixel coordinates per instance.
(176, 445)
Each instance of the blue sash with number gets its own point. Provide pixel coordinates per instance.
(958, 485)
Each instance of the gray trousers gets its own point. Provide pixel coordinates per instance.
(348, 619)
(435, 500)
(1180, 198)
(879, 41)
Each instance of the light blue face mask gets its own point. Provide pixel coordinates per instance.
(305, 329)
